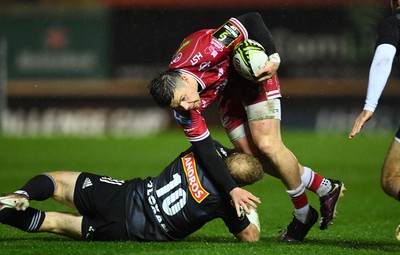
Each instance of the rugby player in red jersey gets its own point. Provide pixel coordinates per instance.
(201, 72)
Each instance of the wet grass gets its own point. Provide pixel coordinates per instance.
(366, 221)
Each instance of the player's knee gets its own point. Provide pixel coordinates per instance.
(390, 186)
(252, 237)
(269, 147)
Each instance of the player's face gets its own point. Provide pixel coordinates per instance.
(186, 98)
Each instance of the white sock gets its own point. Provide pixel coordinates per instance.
(307, 177)
(302, 213)
(324, 188)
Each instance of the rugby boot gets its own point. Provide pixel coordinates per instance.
(18, 202)
(297, 230)
(329, 202)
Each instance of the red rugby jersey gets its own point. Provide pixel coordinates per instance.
(206, 55)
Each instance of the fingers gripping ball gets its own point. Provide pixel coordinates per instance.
(249, 57)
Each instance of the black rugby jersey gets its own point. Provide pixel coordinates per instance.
(389, 31)
(178, 202)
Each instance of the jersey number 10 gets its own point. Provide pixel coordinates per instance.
(175, 198)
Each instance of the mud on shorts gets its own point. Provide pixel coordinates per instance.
(243, 101)
(101, 201)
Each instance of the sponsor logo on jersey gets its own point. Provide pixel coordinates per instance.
(227, 34)
(196, 189)
(177, 58)
(204, 66)
(182, 119)
(87, 183)
(196, 58)
(217, 44)
(211, 50)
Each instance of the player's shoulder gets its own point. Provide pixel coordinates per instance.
(389, 30)
(199, 34)
(391, 21)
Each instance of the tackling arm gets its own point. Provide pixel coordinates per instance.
(214, 164)
(216, 167)
(252, 232)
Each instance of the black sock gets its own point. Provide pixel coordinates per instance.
(29, 220)
(398, 195)
(40, 187)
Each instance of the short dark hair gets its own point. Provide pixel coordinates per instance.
(163, 86)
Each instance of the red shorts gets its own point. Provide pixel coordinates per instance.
(240, 93)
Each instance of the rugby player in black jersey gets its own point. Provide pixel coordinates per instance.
(386, 49)
(168, 207)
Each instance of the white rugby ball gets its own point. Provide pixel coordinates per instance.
(249, 57)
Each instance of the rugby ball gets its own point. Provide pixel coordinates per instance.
(249, 57)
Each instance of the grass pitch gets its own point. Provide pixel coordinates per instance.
(366, 220)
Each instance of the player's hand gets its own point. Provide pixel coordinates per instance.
(360, 121)
(269, 69)
(243, 198)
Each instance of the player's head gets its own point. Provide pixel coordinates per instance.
(395, 5)
(244, 168)
(163, 86)
(175, 90)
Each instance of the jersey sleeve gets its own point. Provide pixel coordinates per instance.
(388, 32)
(192, 124)
(256, 29)
(234, 224)
(230, 34)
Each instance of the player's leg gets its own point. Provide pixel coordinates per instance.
(28, 220)
(39, 188)
(58, 185)
(62, 223)
(14, 207)
(267, 137)
(65, 187)
(390, 177)
(33, 220)
(263, 139)
(264, 106)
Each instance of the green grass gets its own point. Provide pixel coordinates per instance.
(366, 221)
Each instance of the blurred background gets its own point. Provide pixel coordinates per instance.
(81, 67)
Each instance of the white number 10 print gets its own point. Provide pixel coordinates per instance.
(176, 198)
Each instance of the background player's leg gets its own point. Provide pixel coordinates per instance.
(390, 178)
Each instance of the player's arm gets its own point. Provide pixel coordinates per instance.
(379, 73)
(252, 232)
(214, 164)
(216, 167)
(380, 70)
(222, 150)
(258, 31)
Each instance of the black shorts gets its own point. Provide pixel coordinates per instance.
(398, 133)
(101, 201)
